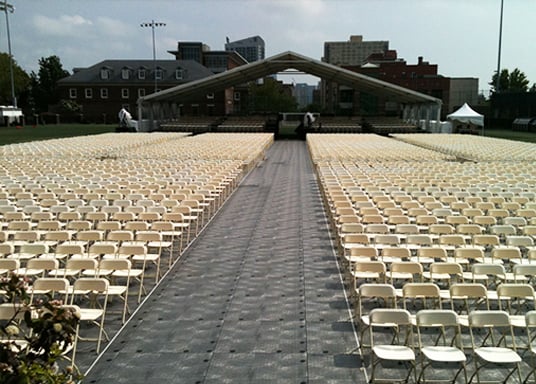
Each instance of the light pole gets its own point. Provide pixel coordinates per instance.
(8, 7)
(153, 24)
(498, 80)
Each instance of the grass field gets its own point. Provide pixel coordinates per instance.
(12, 135)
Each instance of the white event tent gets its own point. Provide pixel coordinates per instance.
(466, 115)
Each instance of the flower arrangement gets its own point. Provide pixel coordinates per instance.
(35, 337)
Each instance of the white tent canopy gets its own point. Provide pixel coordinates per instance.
(467, 116)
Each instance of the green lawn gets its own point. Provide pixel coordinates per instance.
(511, 135)
(12, 135)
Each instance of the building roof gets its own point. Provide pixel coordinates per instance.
(290, 60)
(248, 41)
(192, 71)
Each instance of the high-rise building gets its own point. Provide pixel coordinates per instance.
(250, 48)
(352, 52)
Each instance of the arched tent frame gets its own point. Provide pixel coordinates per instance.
(164, 104)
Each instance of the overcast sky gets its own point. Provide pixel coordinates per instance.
(461, 36)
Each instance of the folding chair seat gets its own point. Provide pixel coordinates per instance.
(451, 242)
(354, 240)
(503, 230)
(75, 268)
(524, 242)
(66, 251)
(485, 221)
(415, 242)
(183, 221)
(516, 299)
(398, 350)
(118, 237)
(97, 288)
(368, 271)
(491, 275)
(8, 266)
(486, 242)
(101, 251)
(29, 251)
(444, 273)
(374, 295)
(383, 241)
(405, 271)
(524, 273)
(457, 220)
(360, 254)
(421, 296)
(119, 272)
(37, 267)
(392, 254)
(506, 256)
(24, 237)
(467, 297)
(433, 352)
(441, 229)
(517, 222)
(6, 250)
(424, 221)
(428, 255)
(487, 350)
(530, 321)
(57, 288)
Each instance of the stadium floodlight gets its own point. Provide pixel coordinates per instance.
(153, 24)
(7, 8)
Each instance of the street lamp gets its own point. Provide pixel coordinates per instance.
(8, 7)
(153, 24)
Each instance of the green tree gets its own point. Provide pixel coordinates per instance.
(518, 81)
(515, 81)
(44, 87)
(271, 96)
(21, 81)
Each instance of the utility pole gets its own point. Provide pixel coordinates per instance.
(4, 6)
(153, 24)
(498, 80)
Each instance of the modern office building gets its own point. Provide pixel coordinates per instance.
(250, 48)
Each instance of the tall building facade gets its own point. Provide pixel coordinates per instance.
(354, 52)
(250, 48)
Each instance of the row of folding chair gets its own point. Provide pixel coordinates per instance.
(437, 353)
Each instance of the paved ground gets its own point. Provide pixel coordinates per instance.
(257, 299)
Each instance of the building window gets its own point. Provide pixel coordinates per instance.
(104, 93)
(210, 96)
(178, 74)
(124, 93)
(89, 93)
(237, 96)
(141, 92)
(104, 74)
(125, 73)
(158, 74)
(72, 93)
(141, 74)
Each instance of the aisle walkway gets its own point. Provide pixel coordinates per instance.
(257, 299)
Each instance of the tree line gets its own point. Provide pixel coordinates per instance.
(34, 91)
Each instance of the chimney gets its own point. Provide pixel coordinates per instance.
(420, 60)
